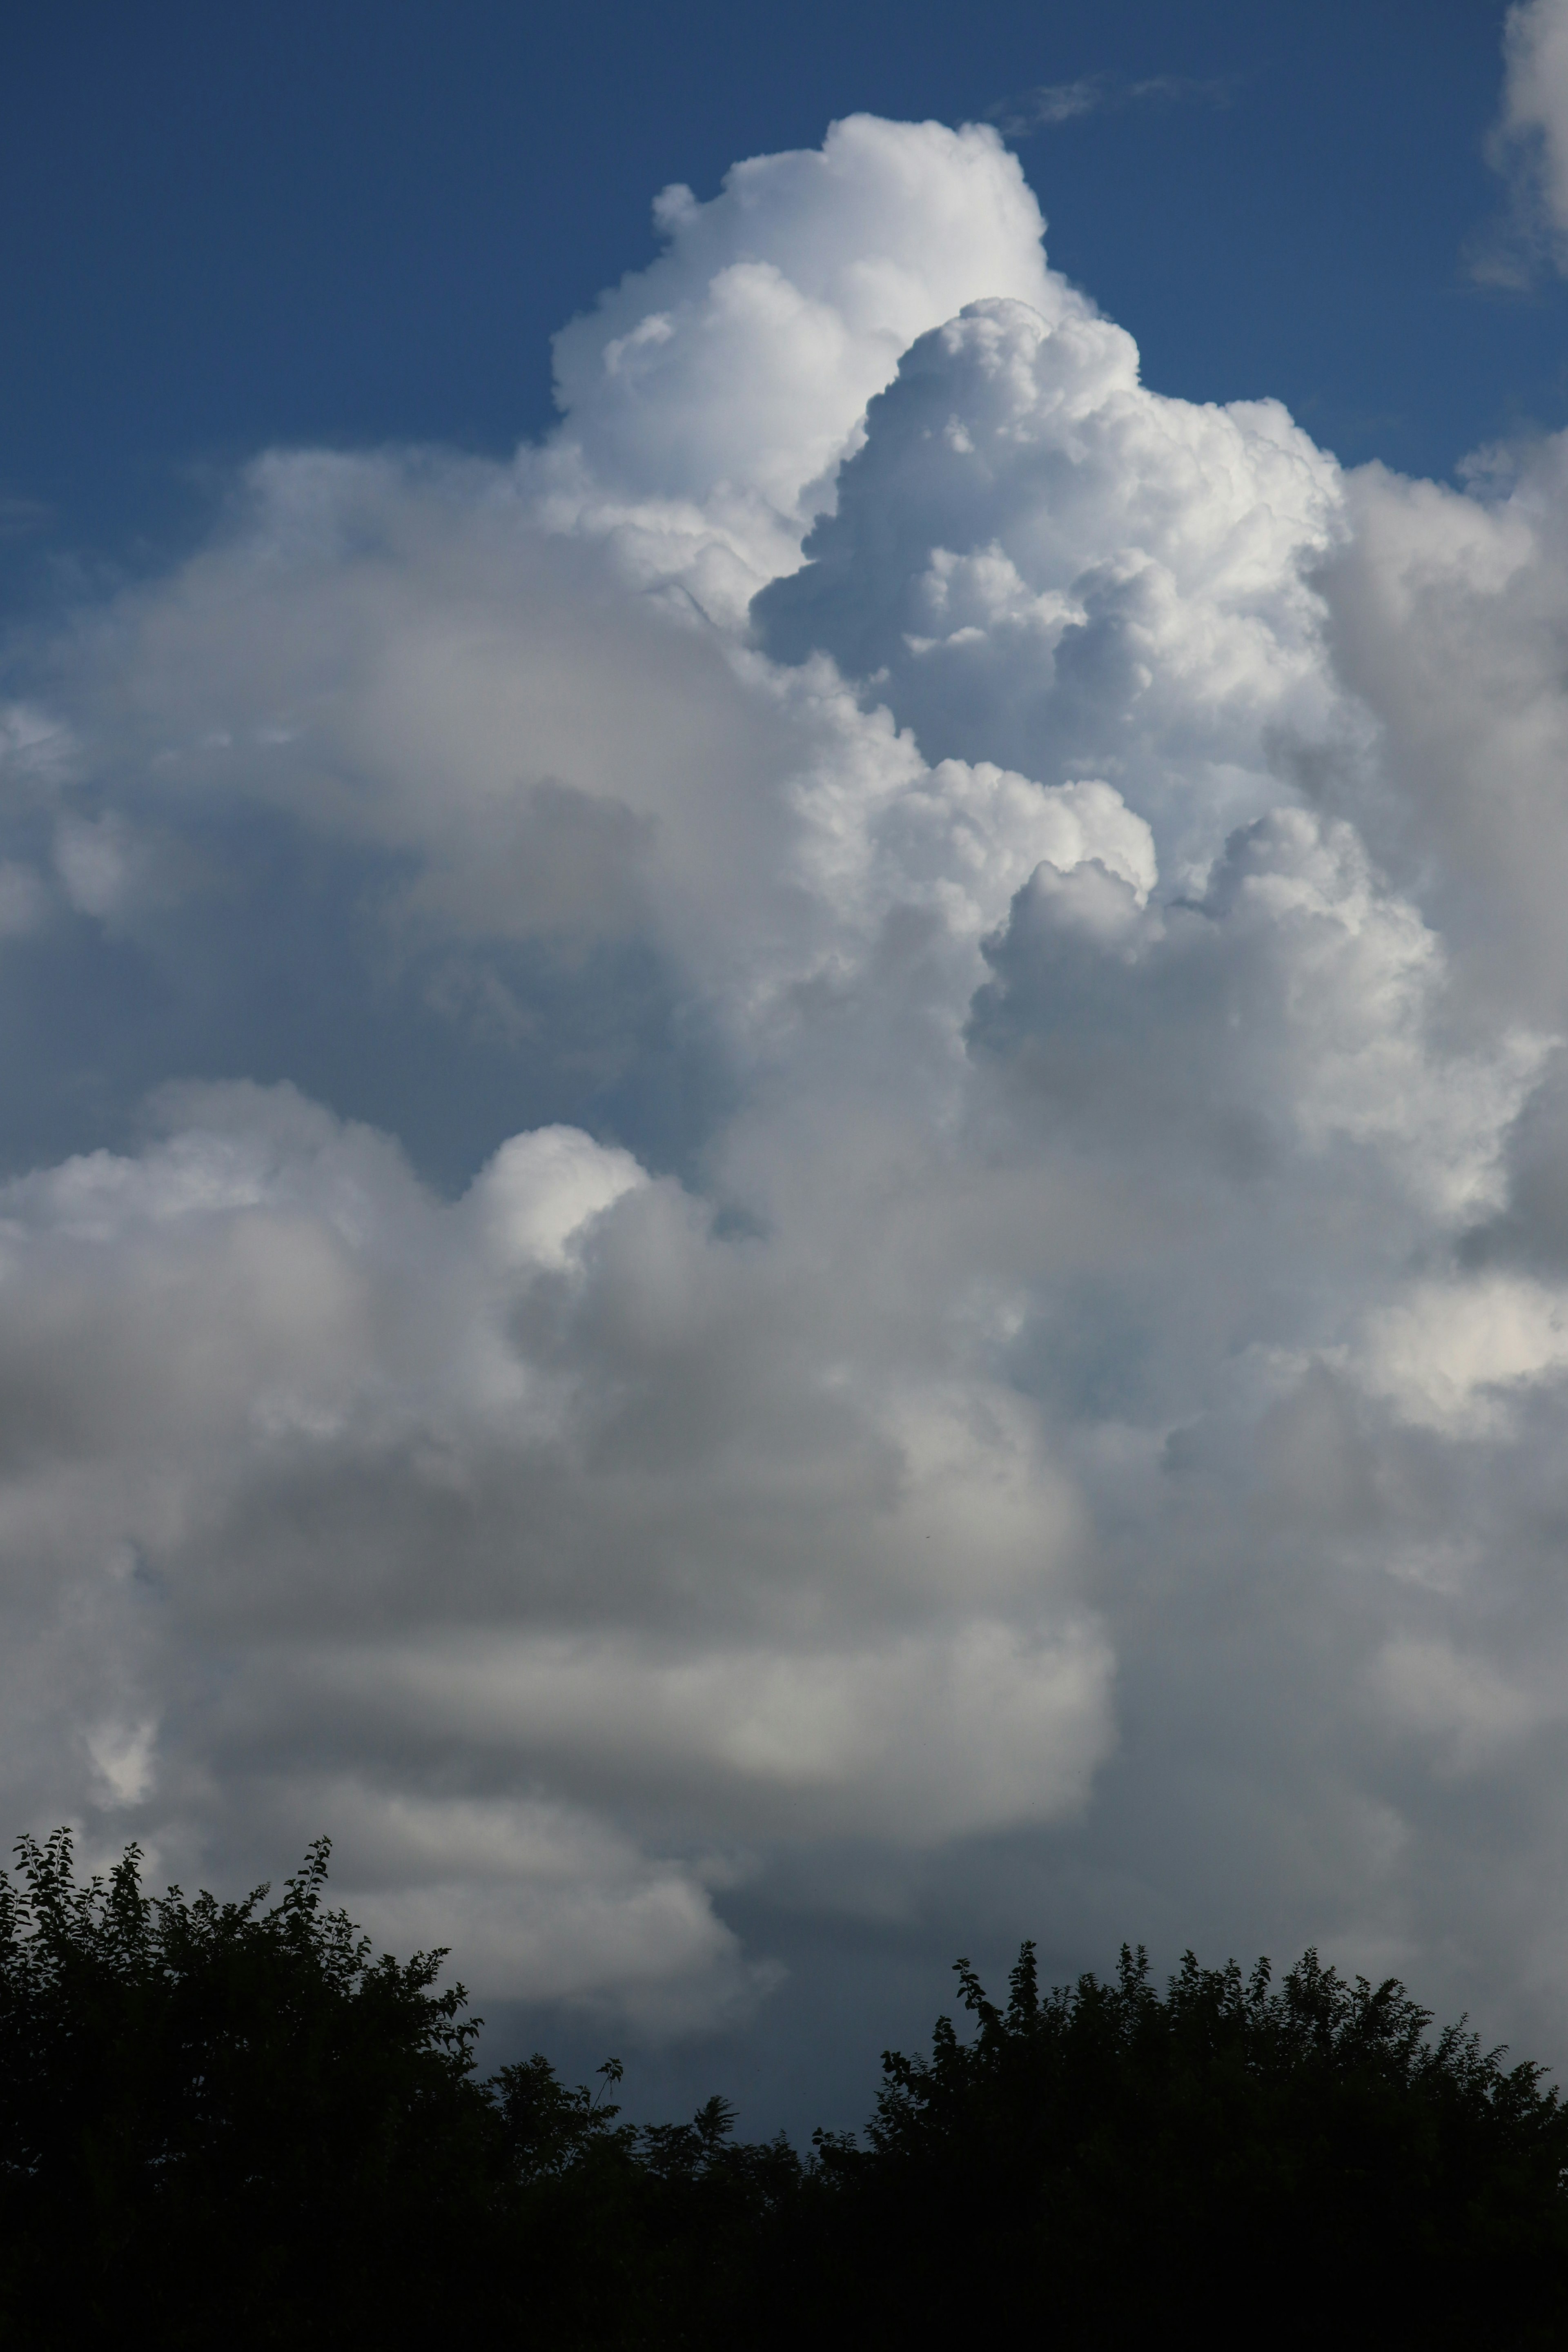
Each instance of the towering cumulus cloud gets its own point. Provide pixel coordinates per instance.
(818, 1141)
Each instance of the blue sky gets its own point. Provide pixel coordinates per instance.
(347, 223)
(783, 995)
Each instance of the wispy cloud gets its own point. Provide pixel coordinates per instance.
(19, 517)
(1054, 102)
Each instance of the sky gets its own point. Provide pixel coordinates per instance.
(782, 997)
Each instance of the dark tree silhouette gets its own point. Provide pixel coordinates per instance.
(229, 2117)
(1303, 2161)
(229, 2122)
(198, 2094)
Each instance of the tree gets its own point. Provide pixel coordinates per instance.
(205, 2097)
(232, 2119)
(233, 2123)
(1301, 2160)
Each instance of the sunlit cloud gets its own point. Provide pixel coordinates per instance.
(815, 1135)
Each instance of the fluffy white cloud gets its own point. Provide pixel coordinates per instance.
(920, 1216)
(711, 397)
(329, 1490)
(1042, 563)
(1529, 141)
(1446, 613)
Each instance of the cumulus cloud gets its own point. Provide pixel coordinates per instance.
(817, 1137)
(342, 1487)
(1445, 611)
(710, 398)
(1529, 145)
(1038, 560)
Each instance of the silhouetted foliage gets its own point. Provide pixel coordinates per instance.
(234, 2118)
(230, 2123)
(1301, 2160)
(193, 2094)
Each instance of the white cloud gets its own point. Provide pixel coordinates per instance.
(101, 868)
(1060, 570)
(546, 1902)
(1530, 144)
(1446, 610)
(564, 1449)
(710, 397)
(1001, 1289)
(1448, 1355)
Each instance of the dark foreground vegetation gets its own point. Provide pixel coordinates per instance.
(222, 2124)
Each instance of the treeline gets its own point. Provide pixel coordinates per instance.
(230, 2123)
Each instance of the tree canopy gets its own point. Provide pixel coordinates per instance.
(1293, 2158)
(233, 2118)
